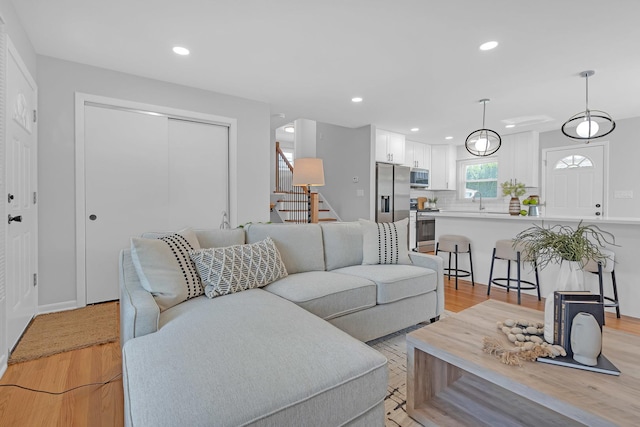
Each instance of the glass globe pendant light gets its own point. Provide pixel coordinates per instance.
(483, 142)
(588, 124)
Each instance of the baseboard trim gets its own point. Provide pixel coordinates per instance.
(59, 306)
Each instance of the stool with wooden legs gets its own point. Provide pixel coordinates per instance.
(455, 244)
(505, 250)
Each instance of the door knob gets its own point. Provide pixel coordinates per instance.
(597, 205)
(598, 213)
(15, 218)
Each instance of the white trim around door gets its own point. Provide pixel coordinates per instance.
(83, 99)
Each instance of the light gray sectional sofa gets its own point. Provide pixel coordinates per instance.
(288, 354)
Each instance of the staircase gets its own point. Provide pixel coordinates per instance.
(290, 204)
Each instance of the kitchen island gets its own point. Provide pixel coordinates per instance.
(484, 229)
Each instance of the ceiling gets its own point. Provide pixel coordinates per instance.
(416, 63)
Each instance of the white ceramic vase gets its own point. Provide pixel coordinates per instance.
(570, 278)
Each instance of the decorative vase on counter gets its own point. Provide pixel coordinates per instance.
(514, 206)
(570, 278)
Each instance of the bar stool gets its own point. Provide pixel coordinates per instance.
(457, 245)
(504, 250)
(605, 266)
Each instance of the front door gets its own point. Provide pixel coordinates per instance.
(21, 179)
(574, 179)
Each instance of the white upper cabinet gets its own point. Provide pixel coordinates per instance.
(389, 147)
(443, 167)
(417, 155)
(519, 159)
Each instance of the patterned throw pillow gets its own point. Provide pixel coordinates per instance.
(238, 268)
(385, 242)
(165, 268)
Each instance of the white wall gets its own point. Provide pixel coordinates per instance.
(58, 80)
(346, 153)
(623, 163)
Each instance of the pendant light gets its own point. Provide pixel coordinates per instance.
(483, 142)
(588, 124)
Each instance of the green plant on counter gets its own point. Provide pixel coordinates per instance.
(561, 242)
(513, 188)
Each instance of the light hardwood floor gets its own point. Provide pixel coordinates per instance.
(103, 406)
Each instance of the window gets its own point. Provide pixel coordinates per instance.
(574, 161)
(479, 176)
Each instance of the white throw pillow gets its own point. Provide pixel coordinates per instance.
(239, 267)
(385, 242)
(165, 268)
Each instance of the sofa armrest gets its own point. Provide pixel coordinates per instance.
(139, 313)
(435, 263)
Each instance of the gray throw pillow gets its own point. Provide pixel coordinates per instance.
(237, 268)
(385, 242)
(165, 268)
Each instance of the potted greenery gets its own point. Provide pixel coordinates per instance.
(571, 248)
(514, 189)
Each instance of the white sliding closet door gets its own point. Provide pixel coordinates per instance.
(198, 174)
(146, 173)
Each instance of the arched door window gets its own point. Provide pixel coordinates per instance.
(574, 161)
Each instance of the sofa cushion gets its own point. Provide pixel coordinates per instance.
(395, 282)
(234, 368)
(385, 242)
(342, 244)
(300, 245)
(326, 294)
(165, 268)
(238, 268)
(220, 238)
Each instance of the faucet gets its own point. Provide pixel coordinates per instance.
(473, 199)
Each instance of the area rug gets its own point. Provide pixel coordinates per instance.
(55, 333)
(394, 348)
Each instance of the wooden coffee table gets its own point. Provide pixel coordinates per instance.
(451, 381)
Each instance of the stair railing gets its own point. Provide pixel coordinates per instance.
(295, 200)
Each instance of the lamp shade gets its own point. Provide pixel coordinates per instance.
(308, 171)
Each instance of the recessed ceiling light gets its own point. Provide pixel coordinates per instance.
(415, 129)
(289, 129)
(488, 45)
(356, 99)
(448, 137)
(510, 126)
(181, 50)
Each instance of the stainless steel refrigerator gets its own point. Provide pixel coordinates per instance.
(392, 192)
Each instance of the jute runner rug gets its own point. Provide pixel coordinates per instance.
(68, 330)
(394, 348)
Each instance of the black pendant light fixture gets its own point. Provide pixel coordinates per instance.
(588, 124)
(483, 142)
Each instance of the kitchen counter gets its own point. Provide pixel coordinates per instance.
(555, 218)
(483, 229)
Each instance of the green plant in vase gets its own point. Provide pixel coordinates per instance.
(569, 247)
(514, 189)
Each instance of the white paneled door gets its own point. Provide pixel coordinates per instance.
(21, 180)
(146, 172)
(574, 181)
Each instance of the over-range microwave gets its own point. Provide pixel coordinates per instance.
(419, 178)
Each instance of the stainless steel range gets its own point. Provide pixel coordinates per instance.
(425, 230)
